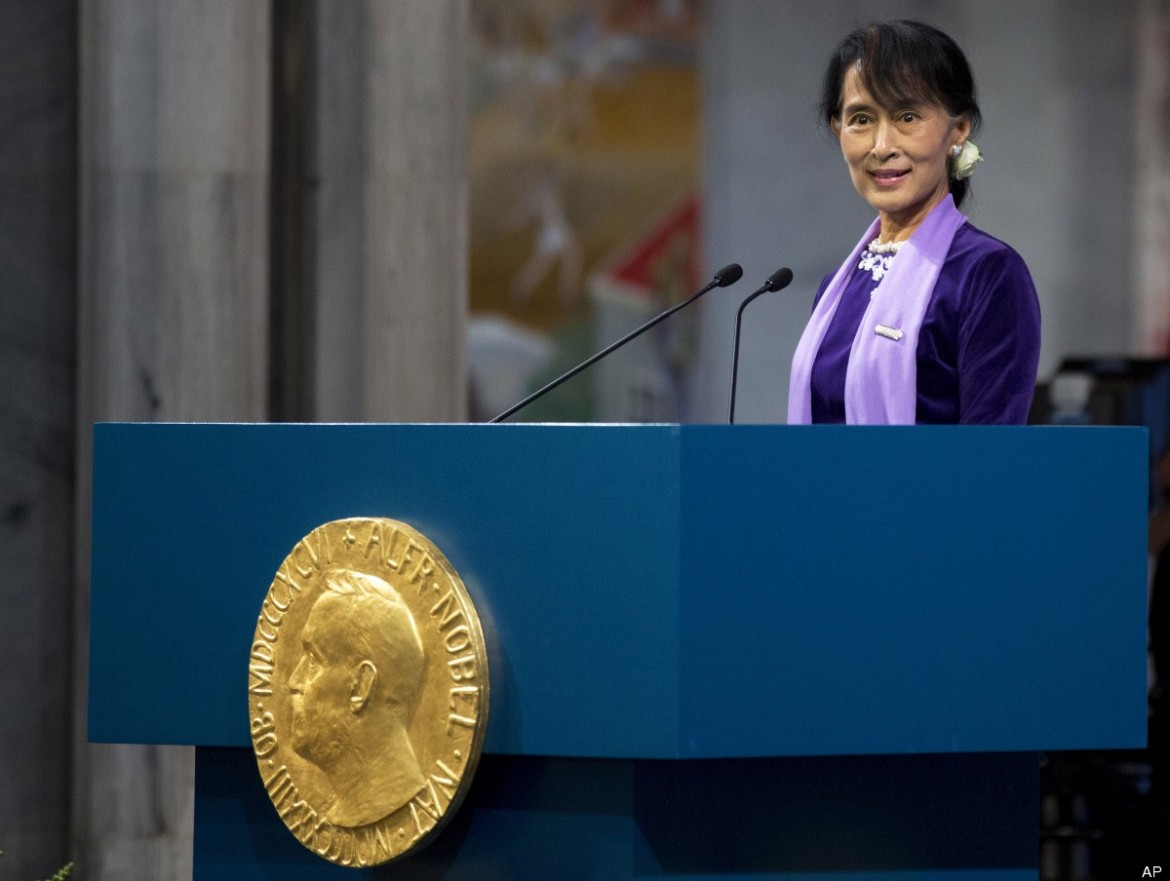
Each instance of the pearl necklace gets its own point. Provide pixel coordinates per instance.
(877, 247)
(876, 257)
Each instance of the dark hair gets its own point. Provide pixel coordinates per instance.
(904, 62)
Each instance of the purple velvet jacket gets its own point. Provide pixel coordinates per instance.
(978, 348)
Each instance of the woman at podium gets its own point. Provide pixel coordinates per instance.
(928, 320)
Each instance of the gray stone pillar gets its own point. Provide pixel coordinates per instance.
(38, 247)
(391, 210)
(173, 318)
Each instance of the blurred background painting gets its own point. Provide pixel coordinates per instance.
(584, 170)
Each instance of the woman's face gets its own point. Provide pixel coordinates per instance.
(897, 157)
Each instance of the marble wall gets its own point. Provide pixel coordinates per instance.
(185, 295)
(173, 319)
(389, 210)
(38, 264)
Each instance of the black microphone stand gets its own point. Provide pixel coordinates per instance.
(779, 279)
(729, 274)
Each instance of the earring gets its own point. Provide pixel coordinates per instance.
(957, 150)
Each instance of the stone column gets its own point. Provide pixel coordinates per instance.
(38, 248)
(390, 213)
(173, 318)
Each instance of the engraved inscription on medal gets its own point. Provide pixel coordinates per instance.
(367, 690)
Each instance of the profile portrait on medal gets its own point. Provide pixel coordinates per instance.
(353, 691)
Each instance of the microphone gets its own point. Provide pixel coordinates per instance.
(728, 275)
(778, 280)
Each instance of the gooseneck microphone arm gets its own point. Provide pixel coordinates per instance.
(728, 275)
(778, 280)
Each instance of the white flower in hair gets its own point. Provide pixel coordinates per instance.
(965, 163)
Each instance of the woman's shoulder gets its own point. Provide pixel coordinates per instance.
(972, 246)
(981, 270)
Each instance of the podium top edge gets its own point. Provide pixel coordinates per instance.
(592, 426)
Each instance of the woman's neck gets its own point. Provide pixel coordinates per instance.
(900, 225)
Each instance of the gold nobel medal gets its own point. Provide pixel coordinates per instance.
(367, 691)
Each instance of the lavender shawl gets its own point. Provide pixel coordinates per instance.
(881, 380)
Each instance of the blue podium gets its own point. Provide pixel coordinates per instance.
(717, 652)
